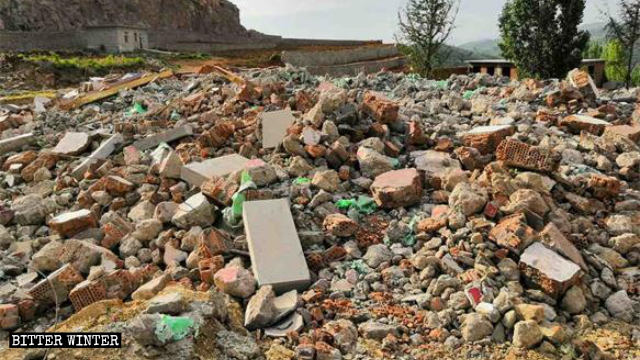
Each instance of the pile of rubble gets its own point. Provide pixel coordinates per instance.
(338, 213)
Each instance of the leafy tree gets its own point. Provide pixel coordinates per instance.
(615, 68)
(425, 25)
(635, 76)
(627, 31)
(594, 50)
(541, 36)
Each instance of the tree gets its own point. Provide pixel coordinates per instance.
(541, 36)
(594, 50)
(616, 67)
(425, 25)
(627, 31)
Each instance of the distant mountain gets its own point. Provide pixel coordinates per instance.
(456, 56)
(597, 30)
(487, 48)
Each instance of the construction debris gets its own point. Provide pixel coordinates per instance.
(383, 216)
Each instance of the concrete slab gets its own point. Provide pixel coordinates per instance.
(197, 173)
(73, 143)
(170, 135)
(102, 152)
(274, 127)
(545, 269)
(276, 254)
(16, 142)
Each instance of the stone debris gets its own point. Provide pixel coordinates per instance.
(73, 143)
(198, 172)
(377, 215)
(168, 136)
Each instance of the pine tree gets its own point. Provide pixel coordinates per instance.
(541, 36)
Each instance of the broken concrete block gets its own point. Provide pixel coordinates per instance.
(151, 288)
(435, 165)
(552, 237)
(196, 211)
(198, 172)
(168, 136)
(545, 269)
(16, 142)
(102, 152)
(578, 123)
(220, 190)
(73, 143)
(235, 281)
(397, 188)
(271, 232)
(71, 223)
(274, 125)
(487, 138)
(171, 166)
(518, 154)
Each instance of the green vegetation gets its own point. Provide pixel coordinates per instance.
(616, 68)
(542, 37)
(85, 63)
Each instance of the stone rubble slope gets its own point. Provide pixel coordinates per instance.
(384, 209)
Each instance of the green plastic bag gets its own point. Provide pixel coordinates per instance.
(302, 181)
(174, 328)
(136, 109)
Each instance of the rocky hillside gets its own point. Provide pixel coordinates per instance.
(202, 16)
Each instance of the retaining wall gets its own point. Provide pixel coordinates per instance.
(27, 41)
(338, 57)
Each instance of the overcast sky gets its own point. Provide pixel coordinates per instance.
(371, 19)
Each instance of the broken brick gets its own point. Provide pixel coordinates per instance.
(71, 223)
(513, 233)
(518, 154)
(380, 108)
(397, 188)
(487, 138)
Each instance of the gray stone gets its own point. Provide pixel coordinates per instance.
(261, 309)
(620, 306)
(172, 303)
(376, 330)
(73, 143)
(476, 327)
(196, 211)
(526, 334)
(376, 255)
(271, 232)
(468, 198)
(165, 137)
(574, 301)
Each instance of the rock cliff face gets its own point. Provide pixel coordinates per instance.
(216, 17)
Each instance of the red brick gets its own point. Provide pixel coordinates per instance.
(397, 188)
(9, 316)
(577, 123)
(518, 154)
(340, 225)
(86, 293)
(380, 108)
(487, 138)
(513, 233)
(72, 223)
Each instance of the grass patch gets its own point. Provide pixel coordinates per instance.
(85, 63)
